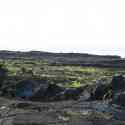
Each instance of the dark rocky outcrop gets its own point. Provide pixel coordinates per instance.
(118, 83)
(3, 74)
(114, 90)
(46, 92)
(54, 92)
(118, 89)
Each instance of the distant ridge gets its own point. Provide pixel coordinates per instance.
(43, 53)
(82, 59)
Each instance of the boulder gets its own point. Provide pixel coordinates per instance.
(119, 99)
(118, 83)
(25, 89)
(53, 90)
(70, 94)
(102, 88)
(47, 92)
(118, 89)
(100, 92)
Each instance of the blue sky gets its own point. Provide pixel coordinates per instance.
(92, 26)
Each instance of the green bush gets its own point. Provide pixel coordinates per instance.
(73, 84)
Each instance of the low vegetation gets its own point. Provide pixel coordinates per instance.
(72, 76)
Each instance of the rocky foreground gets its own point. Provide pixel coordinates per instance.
(60, 113)
(39, 88)
(90, 109)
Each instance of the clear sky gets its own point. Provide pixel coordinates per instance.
(93, 26)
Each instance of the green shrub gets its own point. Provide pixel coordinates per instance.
(73, 84)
